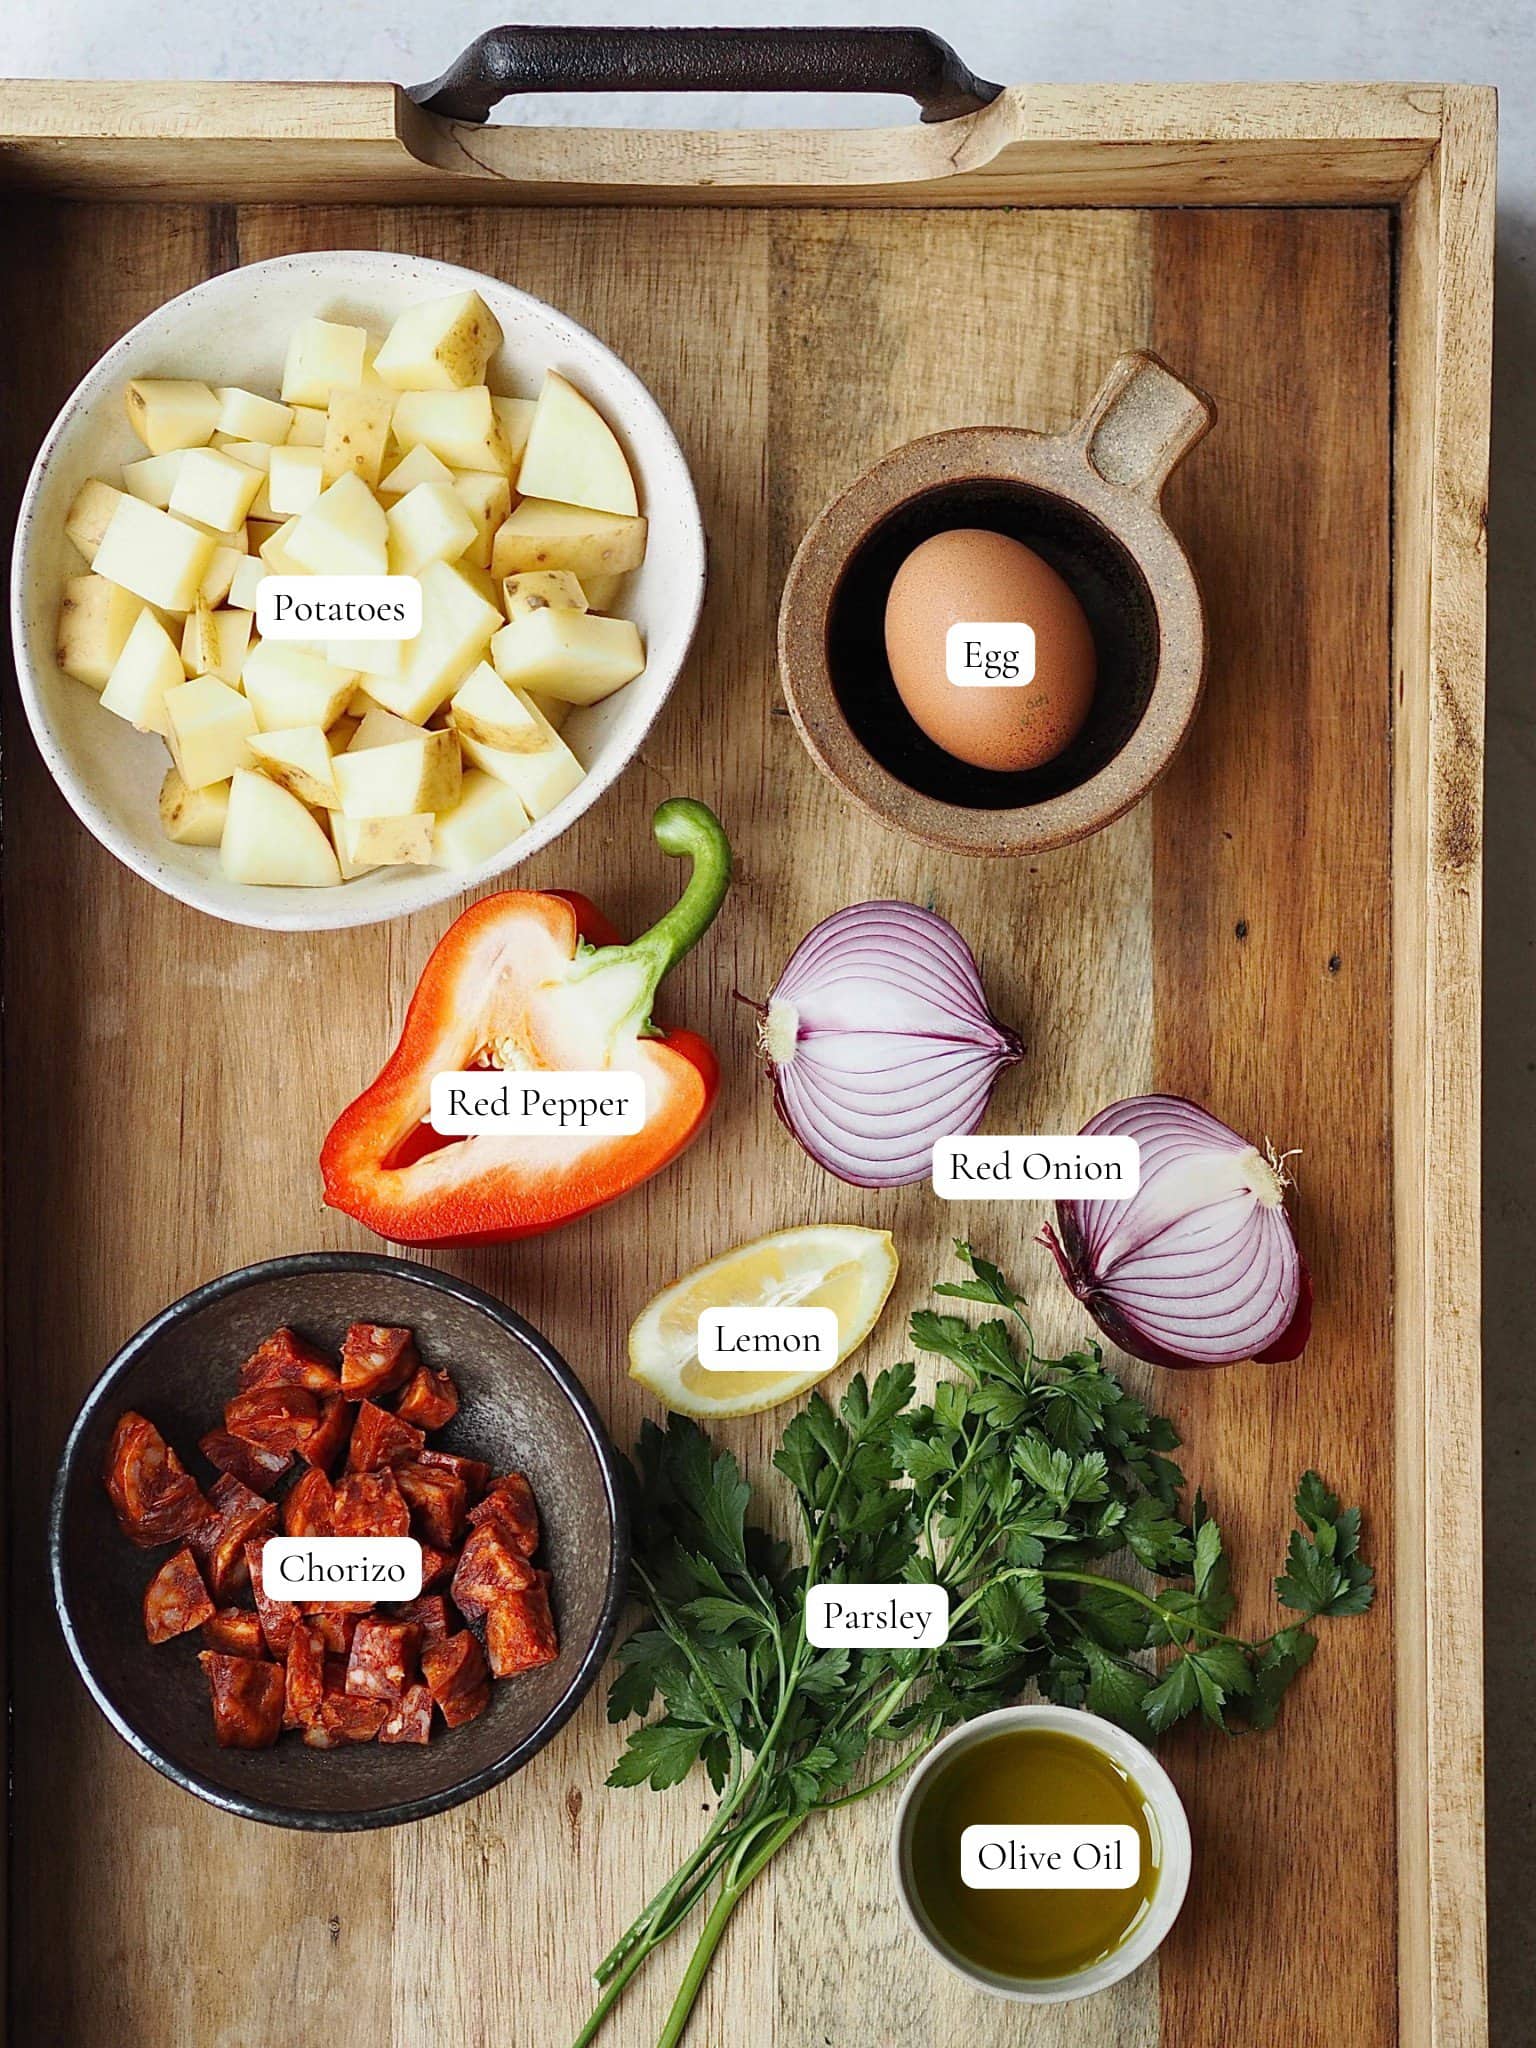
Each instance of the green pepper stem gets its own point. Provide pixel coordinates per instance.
(684, 827)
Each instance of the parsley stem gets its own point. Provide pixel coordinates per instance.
(731, 1895)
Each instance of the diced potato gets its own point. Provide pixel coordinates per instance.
(153, 478)
(489, 710)
(462, 428)
(249, 572)
(377, 727)
(274, 550)
(573, 455)
(549, 708)
(147, 668)
(343, 834)
(369, 657)
(209, 725)
(154, 555)
(516, 416)
(538, 534)
(418, 774)
(421, 466)
(602, 592)
(254, 454)
(356, 433)
(322, 354)
(219, 578)
(89, 516)
(440, 345)
(487, 498)
(215, 643)
(193, 817)
(308, 429)
(580, 656)
(295, 479)
(360, 703)
(269, 837)
(456, 628)
(427, 525)
(289, 686)
(340, 734)
(95, 619)
(379, 842)
(536, 590)
(214, 490)
(245, 416)
(171, 412)
(539, 780)
(344, 533)
(486, 818)
(300, 759)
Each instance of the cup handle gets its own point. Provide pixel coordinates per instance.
(1142, 423)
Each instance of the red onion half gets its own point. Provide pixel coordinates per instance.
(880, 1042)
(1200, 1266)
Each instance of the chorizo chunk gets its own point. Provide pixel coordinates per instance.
(306, 1676)
(383, 1659)
(520, 1633)
(455, 1672)
(437, 1501)
(487, 1570)
(247, 1700)
(325, 1442)
(369, 1504)
(236, 1631)
(510, 1504)
(431, 1400)
(410, 1718)
(283, 1360)
(375, 1360)
(236, 1517)
(307, 1506)
(175, 1600)
(474, 1472)
(276, 1418)
(277, 1617)
(155, 1497)
(253, 1465)
(380, 1439)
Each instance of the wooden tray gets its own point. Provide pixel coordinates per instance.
(1288, 930)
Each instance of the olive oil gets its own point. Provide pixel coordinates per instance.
(1027, 1777)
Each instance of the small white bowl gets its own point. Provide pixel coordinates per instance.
(233, 329)
(1167, 1816)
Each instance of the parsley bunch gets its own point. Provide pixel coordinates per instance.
(1010, 1488)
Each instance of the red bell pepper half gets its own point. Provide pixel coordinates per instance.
(532, 979)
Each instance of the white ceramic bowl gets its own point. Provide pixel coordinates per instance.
(233, 330)
(1166, 1816)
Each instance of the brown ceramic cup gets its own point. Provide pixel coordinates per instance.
(1087, 500)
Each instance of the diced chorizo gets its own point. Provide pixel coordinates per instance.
(277, 1617)
(307, 1506)
(474, 1472)
(380, 1439)
(410, 1718)
(155, 1497)
(252, 1464)
(488, 1568)
(510, 1504)
(455, 1671)
(325, 1443)
(429, 1613)
(335, 1627)
(369, 1504)
(306, 1676)
(430, 1401)
(437, 1566)
(247, 1700)
(284, 1360)
(236, 1516)
(235, 1632)
(383, 1659)
(175, 1600)
(343, 1719)
(375, 1360)
(437, 1500)
(276, 1418)
(520, 1633)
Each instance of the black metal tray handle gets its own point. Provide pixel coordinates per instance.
(913, 61)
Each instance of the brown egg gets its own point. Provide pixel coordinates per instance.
(975, 577)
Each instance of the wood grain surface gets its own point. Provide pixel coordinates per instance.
(168, 1081)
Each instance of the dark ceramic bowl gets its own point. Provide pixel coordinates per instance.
(521, 1408)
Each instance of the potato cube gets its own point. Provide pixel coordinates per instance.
(154, 555)
(289, 686)
(369, 657)
(381, 842)
(219, 578)
(308, 429)
(421, 466)
(538, 534)
(322, 354)
(153, 478)
(340, 734)
(344, 533)
(295, 480)
(462, 428)
(209, 726)
(489, 710)
(359, 704)
(516, 416)
(245, 416)
(418, 774)
(487, 499)
(580, 656)
(535, 590)
(486, 818)
(215, 643)
(300, 759)
(343, 835)
(249, 572)
(214, 490)
(147, 668)
(357, 433)
(171, 412)
(254, 454)
(456, 628)
(89, 515)
(551, 709)
(193, 817)
(540, 780)
(377, 727)
(95, 619)
(274, 550)
(269, 837)
(427, 525)
(573, 455)
(440, 345)
(602, 592)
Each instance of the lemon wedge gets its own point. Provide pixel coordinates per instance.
(817, 1265)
